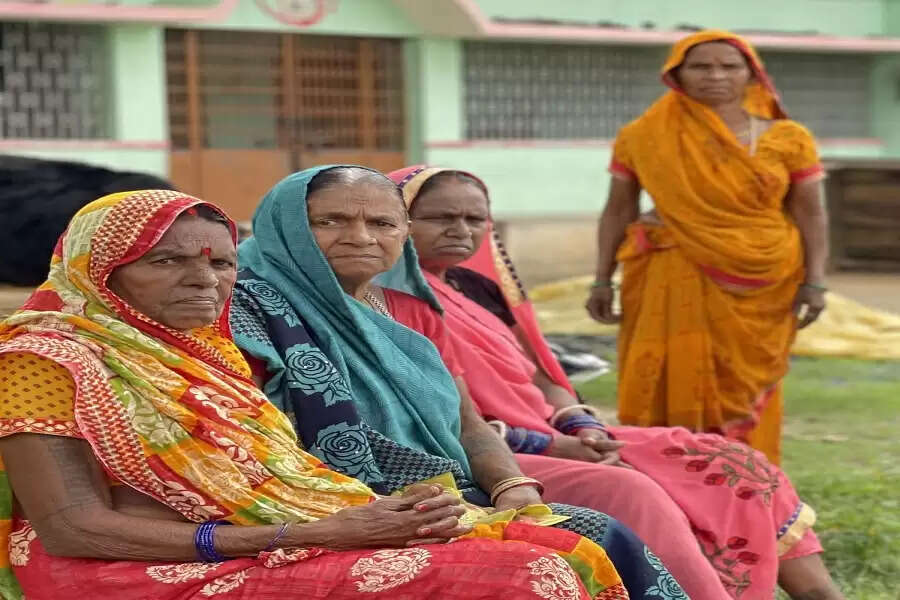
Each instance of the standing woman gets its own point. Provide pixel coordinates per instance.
(730, 262)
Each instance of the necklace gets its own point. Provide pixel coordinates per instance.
(377, 304)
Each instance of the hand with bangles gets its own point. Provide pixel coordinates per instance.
(424, 514)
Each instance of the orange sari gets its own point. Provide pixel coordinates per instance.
(707, 294)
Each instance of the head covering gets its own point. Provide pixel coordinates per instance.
(760, 96)
(722, 206)
(163, 410)
(492, 261)
(396, 378)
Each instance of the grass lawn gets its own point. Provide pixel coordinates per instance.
(842, 451)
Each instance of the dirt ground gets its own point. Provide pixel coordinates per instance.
(876, 290)
(881, 290)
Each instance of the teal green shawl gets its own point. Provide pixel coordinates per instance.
(397, 379)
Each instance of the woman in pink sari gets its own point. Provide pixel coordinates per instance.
(752, 531)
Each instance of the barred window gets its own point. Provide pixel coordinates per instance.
(552, 91)
(55, 81)
(260, 90)
(829, 93)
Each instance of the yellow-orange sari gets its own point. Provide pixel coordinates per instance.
(707, 295)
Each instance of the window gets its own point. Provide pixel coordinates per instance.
(260, 90)
(55, 81)
(551, 91)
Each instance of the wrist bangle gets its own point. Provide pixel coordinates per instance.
(204, 541)
(500, 427)
(575, 423)
(278, 536)
(603, 283)
(814, 286)
(505, 485)
(559, 414)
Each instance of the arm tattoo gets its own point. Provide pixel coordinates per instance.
(81, 475)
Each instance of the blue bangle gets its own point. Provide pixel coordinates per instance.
(525, 441)
(536, 442)
(204, 541)
(515, 438)
(576, 423)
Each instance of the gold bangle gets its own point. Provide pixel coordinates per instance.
(559, 414)
(505, 485)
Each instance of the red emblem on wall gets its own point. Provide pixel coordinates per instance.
(301, 13)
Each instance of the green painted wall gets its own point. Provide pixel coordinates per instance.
(886, 102)
(137, 105)
(139, 77)
(842, 17)
(557, 181)
(352, 17)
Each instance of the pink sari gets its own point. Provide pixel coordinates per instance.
(742, 511)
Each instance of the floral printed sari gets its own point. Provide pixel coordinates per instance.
(175, 416)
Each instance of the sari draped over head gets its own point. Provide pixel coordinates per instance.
(171, 414)
(414, 402)
(707, 294)
(382, 403)
(743, 525)
(510, 397)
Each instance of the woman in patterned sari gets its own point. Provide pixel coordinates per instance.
(750, 530)
(734, 251)
(142, 462)
(369, 394)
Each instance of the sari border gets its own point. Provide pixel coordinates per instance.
(813, 173)
(795, 527)
(620, 171)
(721, 277)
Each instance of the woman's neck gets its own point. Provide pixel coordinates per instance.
(356, 289)
(733, 115)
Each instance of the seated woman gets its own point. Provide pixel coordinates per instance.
(369, 395)
(744, 512)
(142, 462)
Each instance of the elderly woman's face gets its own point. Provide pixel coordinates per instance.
(714, 73)
(360, 227)
(185, 279)
(448, 223)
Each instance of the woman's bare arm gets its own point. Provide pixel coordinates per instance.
(622, 209)
(62, 491)
(489, 456)
(805, 204)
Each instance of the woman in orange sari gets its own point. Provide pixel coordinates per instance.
(730, 262)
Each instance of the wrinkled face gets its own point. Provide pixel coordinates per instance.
(360, 227)
(184, 281)
(449, 222)
(714, 73)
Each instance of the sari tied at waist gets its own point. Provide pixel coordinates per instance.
(744, 524)
(175, 416)
(327, 358)
(707, 294)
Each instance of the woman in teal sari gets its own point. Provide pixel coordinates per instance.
(324, 347)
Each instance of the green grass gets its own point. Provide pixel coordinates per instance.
(841, 450)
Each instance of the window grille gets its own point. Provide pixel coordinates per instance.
(260, 90)
(551, 91)
(55, 81)
(829, 93)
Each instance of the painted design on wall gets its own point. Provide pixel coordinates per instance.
(300, 13)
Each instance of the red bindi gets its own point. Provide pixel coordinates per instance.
(206, 251)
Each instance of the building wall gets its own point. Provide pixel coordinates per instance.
(139, 140)
(838, 17)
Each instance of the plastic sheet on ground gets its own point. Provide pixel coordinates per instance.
(847, 328)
